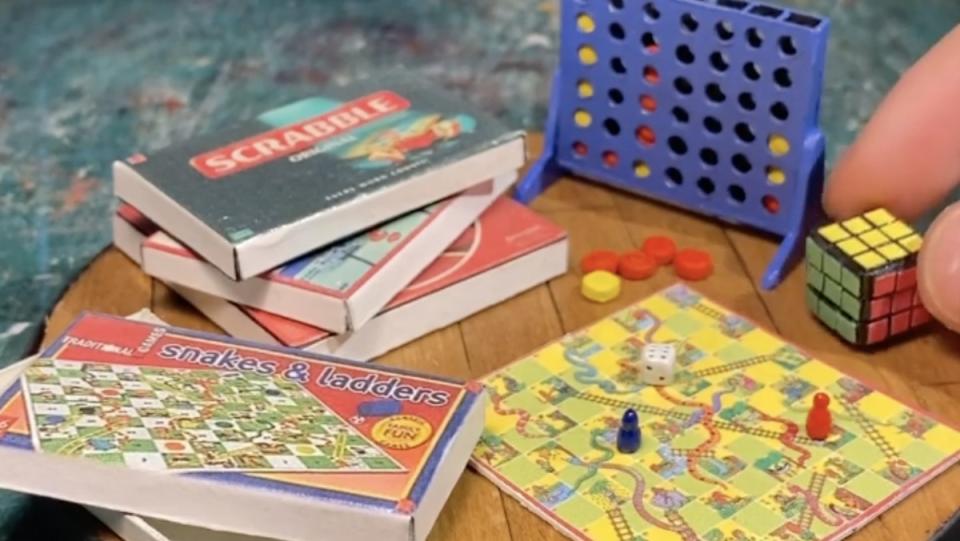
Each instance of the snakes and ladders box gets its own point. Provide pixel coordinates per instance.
(255, 195)
(194, 429)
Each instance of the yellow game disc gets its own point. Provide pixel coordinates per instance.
(779, 146)
(600, 286)
(588, 55)
(585, 23)
(641, 169)
(582, 118)
(585, 89)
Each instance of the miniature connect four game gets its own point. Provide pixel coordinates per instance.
(862, 277)
(709, 106)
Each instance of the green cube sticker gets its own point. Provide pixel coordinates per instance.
(847, 328)
(831, 267)
(850, 281)
(832, 291)
(850, 305)
(814, 278)
(827, 314)
(814, 254)
(812, 300)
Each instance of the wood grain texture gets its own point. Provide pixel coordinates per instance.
(924, 370)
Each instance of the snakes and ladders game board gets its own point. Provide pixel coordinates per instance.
(261, 430)
(169, 419)
(724, 454)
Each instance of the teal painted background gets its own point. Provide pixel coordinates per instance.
(86, 82)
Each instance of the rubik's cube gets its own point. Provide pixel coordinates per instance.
(862, 277)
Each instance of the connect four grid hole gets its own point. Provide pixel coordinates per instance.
(689, 22)
(587, 55)
(617, 65)
(778, 145)
(752, 71)
(585, 23)
(745, 99)
(771, 204)
(677, 145)
(737, 193)
(616, 31)
(755, 37)
(680, 115)
(612, 126)
(651, 11)
(787, 45)
(648, 103)
(674, 176)
(641, 169)
(706, 186)
(744, 132)
(649, 42)
(715, 93)
(724, 30)
(685, 55)
(683, 86)
(651, 75)
(616, 97)
(610, 158)
(741, 163)
(719, 61)
(579, 148)
(646, 135)
(709, 157)
(584, 88)
(616, 4)
(780, 111)
(712, 125)
(775, 175)
(582, 118)
(781, 76)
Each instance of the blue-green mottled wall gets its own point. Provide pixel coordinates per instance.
(85, 82)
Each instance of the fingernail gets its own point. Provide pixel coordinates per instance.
(939, 268)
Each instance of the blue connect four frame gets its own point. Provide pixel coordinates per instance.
(711, 106)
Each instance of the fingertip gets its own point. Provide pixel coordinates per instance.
(939, 268)
(906, 157)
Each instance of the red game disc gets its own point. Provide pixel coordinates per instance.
(637, 265)
(605, 260)
(661, 249)
(692, 264)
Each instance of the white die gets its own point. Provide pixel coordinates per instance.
(658, 364)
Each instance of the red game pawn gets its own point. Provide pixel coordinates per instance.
(819, 421)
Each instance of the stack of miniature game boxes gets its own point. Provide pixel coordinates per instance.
(351, 222)
(862, 277)
(203, 436)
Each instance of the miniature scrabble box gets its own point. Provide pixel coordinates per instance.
(233, 436)
(254, 196)
(723, 452)
(508, 250)
(341, 286)
(862, 277)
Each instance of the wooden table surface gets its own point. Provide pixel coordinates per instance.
(924, 370)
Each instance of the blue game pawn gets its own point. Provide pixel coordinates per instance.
(628, 437)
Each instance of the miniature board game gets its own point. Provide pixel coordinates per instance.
(248, 424)
(711, 106)
(862, 277)
(341, 286)
(170, 419)
(255, 195)
(724, 455)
